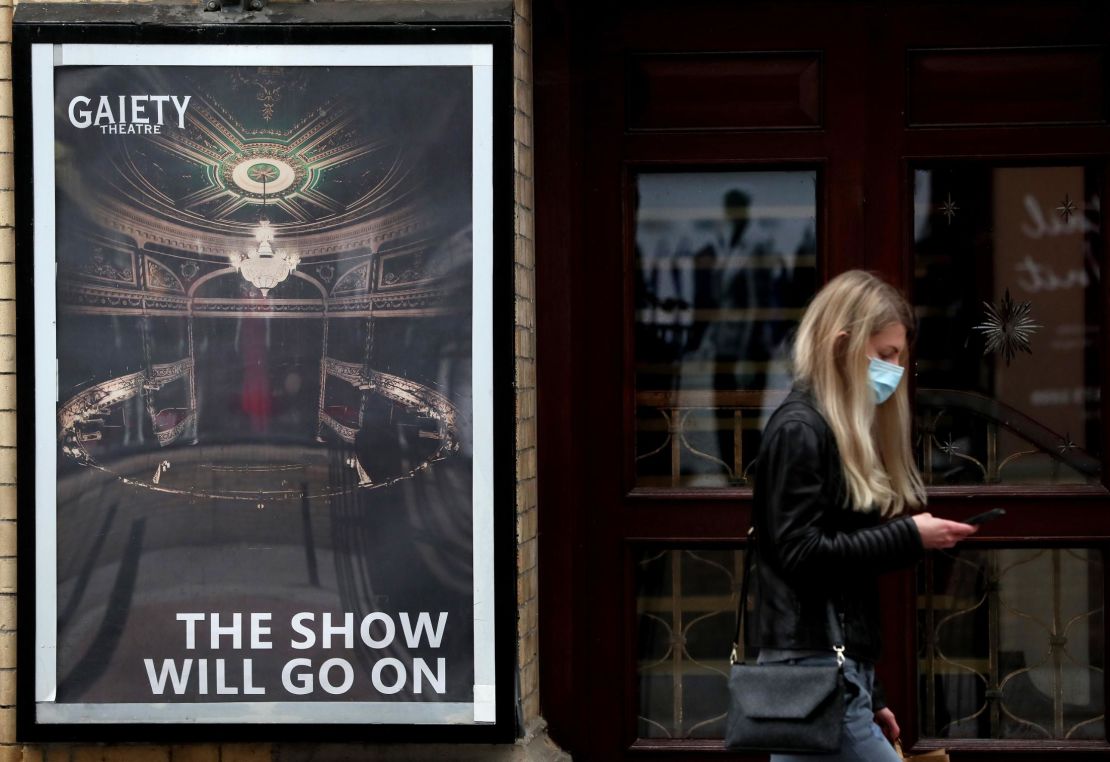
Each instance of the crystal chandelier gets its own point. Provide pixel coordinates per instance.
(264, 266)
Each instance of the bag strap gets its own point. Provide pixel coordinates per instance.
(834, 624)
(743, 602)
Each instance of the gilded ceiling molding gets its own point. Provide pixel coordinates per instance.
(107, 262)
(161, 278)
(270, 88)
(356, 280)
(421, 298)
(232, 272)
(145, 228)
(84, 298)
(72, 296)
(269, 308)
(166, 303)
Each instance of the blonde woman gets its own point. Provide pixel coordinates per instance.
(834, 484)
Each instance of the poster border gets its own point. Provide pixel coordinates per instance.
(501, 537)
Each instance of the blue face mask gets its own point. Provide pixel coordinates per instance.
(884, 378)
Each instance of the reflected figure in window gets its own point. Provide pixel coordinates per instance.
(724, 264)
(749, 340)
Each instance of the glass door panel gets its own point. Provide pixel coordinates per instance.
(1008, 296)
(686, 617)
(725, 263)
(1012, 643)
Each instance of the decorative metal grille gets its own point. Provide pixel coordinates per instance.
(1012, 644)
(686, 606)
(968, 437)
(695, 424)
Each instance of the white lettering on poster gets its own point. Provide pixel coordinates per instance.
(438, 680)
(334, 676)
(235, 630)
(303, 684)
(399, 676)
(347, 630)
(299, 627)
(137, 115)
(387, 624)
(169, 669)
(258, 630)
(190, 621)
(423, 624)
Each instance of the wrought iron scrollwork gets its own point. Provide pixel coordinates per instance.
(999, 609)
(683, 412)
(690, 600)
(991, 418)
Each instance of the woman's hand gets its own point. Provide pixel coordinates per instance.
(941, 533)
(884, 718)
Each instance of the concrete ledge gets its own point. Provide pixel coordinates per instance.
(176, 13)
(535, 746)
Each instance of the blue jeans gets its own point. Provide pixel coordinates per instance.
(863, 740)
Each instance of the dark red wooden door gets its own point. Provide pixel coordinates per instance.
(701, 169)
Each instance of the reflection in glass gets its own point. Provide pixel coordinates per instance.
(1008, 294)
(725, 263)
(1012, 643)
(686, 607)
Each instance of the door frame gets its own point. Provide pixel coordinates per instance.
(591, 520)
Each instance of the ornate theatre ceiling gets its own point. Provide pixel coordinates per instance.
(341, 177)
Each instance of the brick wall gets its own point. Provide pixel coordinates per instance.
(534, 745)
(525, 344)
(7, 398)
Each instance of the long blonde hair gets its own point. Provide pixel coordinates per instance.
(874, 440)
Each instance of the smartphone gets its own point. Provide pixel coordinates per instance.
(981, 518)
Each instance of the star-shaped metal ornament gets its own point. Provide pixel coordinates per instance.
(1066, 444)
(949, 208)
(1007, 328)
(948, 446)
(1067, 208)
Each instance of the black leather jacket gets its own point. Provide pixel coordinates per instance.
(809, 548)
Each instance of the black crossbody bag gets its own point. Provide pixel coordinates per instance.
(784, 707)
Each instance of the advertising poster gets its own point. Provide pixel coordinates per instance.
(263, 475)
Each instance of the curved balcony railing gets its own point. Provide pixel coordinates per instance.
(86, 408)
